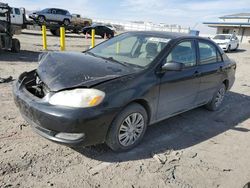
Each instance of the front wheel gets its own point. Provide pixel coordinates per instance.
(16, 46)
(41, 19)
(217, 100)
(128, 128)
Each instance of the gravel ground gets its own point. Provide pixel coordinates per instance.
(195, 149)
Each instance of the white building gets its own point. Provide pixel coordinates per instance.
(236, 23)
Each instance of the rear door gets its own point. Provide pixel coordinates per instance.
(60, 15)
(210, 69)
(178, 89)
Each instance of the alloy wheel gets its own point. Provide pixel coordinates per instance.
(131, 129)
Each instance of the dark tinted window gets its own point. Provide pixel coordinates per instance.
(17, 11)
(208, 53)
(53, 11)
(62, 12)
(183, 53)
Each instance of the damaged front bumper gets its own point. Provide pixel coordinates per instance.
(65, 125)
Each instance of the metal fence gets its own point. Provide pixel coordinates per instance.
(143, 26)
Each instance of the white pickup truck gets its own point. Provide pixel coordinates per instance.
(16, 15)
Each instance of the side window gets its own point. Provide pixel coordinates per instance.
(53, 11)
(184, 53)
(208, 53)
(17, 11)
(61, 12)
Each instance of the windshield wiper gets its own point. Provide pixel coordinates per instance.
(91, 53)
(116, 61)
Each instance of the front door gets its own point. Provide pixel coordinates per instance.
(178, 89)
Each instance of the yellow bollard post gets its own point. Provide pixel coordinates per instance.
(93, 38)
(118, 47)
(44, 34)
(62, 39)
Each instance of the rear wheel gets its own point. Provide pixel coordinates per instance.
(128, 128)
(236, 47)
(16, 46)
(66, 22)
(218, 99)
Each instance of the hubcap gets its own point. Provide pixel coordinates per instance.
(41, 19)
(220, 96)
(131, 129)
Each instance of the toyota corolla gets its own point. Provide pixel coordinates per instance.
(111, 93)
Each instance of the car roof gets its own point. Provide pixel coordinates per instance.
(55, 8)
(224, 34)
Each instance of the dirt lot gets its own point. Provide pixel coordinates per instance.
(196, 149)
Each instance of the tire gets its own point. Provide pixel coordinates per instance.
(41, 19)
(55, 32)
(217, 99)
(121, 137)
(229, 48)
(236, 47)
(66, 22)
(16, 46)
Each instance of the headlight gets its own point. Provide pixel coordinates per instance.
(79, 98)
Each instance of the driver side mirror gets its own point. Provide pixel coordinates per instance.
(173, 66)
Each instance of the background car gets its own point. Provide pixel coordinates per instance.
(227, 42)
(52, 14)
(111, 27)
(100, 30)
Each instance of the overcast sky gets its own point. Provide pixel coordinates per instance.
(188, 13)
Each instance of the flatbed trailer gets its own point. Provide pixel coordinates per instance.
(54, 27)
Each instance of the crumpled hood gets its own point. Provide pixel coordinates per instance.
(68, 70)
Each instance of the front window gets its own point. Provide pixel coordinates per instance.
(132, 49)
(184, 53)
(17, 11)
(222, 37)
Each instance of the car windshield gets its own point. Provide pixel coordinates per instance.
(222, 37)
(131, 49)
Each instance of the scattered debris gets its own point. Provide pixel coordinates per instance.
(8, 136)
(161, 158)
(95, 170)
(6, 80)
(24, 155)
(22, 125)
(227, 170)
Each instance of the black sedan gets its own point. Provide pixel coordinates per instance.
(111, 93)
(100, 30)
